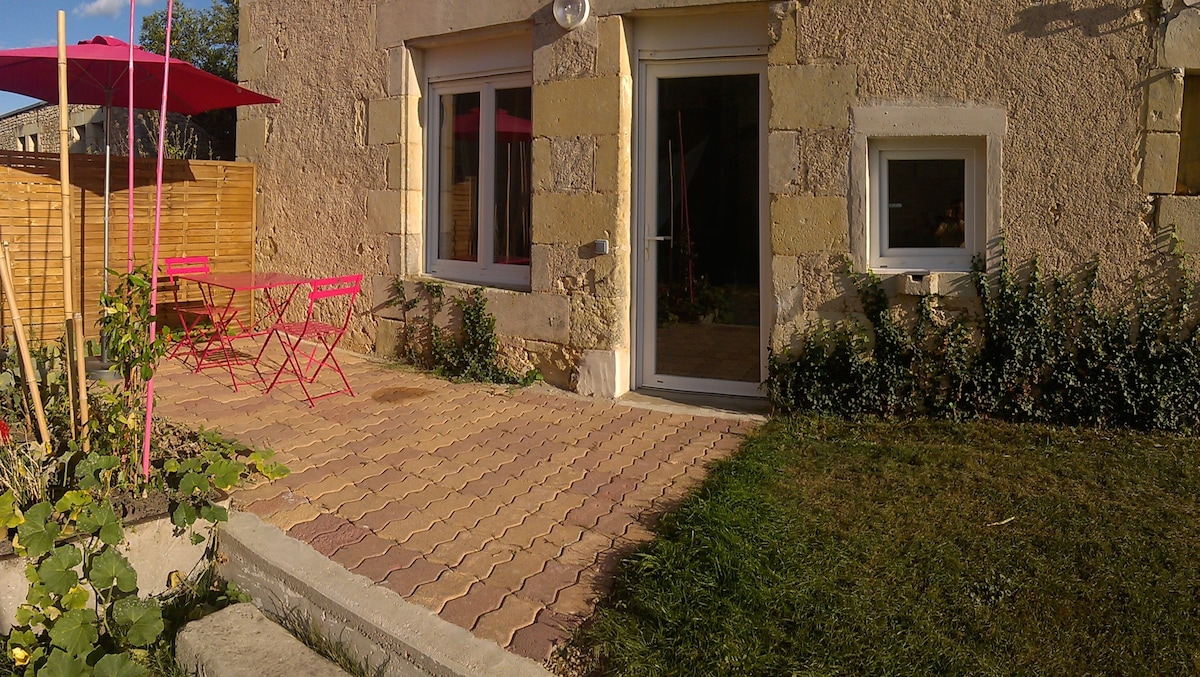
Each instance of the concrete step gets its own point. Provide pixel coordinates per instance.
(389, 636)
(239, 641)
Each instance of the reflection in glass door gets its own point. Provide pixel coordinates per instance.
(702, 202)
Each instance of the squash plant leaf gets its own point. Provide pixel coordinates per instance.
(37, 533)
(225, 473)
(61, 664)
(102, 519)
(141, 619)
(118, 665)
(57, 572)
(10, 514)
(110, 568)
(75, 632)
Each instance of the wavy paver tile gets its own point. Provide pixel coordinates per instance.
(405, 581)
(466, 610)
(500, 625)
(355, 555)
(379, 567)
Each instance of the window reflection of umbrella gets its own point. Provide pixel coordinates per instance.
(511, 130)
(98, 73)
(507, 125)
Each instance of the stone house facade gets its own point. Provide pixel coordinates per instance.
(658, 196)
(35, 129)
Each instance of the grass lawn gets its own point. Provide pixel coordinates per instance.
(832, 548)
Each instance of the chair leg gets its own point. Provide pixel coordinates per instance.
(290, 360)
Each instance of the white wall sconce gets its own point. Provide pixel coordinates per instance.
(571, 14)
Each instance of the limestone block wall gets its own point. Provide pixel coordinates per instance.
(576, 310)
(1178, 58)
(319, 151)
(1070, 78)
(1079, 104)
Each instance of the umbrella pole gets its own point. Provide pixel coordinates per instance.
(74, 320)
(107, 191)
(31, 376)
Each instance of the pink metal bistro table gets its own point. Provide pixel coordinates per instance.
(276, 289)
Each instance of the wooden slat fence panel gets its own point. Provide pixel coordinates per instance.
(208, 209)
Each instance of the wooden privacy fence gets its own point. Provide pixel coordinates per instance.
(208, 210)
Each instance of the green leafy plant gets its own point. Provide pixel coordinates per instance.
(125, 320)
(1040, 349)
(470, 356)
(83, 613)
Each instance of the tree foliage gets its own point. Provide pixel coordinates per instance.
(208, 39)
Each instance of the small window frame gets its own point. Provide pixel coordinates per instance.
(972, 150)
(484, 271)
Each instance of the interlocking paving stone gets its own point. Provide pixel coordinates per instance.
(405, 581)
(403, 529)
(355, 555)
(505, 510)
(538, 640)
(357, 509)
(481, 564)
(543, 587)
(480, 599)
(434, 595)
(425, 541)
(500, 625)
(378, 568)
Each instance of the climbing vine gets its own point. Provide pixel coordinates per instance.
(471, 355)
(1040, 348)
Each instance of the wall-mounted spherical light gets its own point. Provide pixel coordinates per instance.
(571, 14)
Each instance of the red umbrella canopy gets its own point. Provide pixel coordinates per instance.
(97, 74)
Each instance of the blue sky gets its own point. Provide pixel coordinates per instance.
(29, 23)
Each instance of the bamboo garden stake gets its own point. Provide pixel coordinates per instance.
(74, 320)
(31, 377)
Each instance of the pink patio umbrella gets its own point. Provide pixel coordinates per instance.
(104, 70)
(98, 73)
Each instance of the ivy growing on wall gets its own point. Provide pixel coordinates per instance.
(1040, 348)
(470, 355)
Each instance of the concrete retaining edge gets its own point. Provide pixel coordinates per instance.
(289, 579)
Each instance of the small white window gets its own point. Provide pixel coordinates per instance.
(479, 153)
(927, 198)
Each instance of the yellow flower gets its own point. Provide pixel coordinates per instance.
(20, 656)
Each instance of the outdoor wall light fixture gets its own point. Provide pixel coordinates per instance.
(571, 14)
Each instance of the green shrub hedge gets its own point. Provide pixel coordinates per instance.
(1039, 349)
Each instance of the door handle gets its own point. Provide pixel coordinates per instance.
(659, 238)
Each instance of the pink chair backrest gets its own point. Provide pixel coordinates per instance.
(325, 289)
(185, 265)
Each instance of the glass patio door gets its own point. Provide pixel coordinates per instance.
(702, 206)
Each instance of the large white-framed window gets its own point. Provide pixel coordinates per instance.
(926, 202)
(480, 166)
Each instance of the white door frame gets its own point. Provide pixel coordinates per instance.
(653, 66)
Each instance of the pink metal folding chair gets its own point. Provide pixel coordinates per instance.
(332, 298)
(194, 315)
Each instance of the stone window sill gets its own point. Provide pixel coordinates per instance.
(920, 283)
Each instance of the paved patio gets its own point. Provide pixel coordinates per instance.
(503, 511)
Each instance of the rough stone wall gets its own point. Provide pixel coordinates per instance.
(341, 159)
(1178, 212)
(1071, 76)
(43, 121)
(316, 163)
